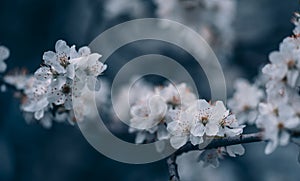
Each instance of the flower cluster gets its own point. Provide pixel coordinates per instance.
(279, 114)
(47, 95)
(151, 113)
(173, 112)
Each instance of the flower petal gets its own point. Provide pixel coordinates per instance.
(235, 150)
(178, 141)
(211, 129)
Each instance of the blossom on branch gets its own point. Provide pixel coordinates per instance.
(47, 95)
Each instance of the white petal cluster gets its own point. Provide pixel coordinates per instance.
(200, 121)
(179, 95)
(4, 54)
(245, 101)
(279, 115)
(173, 112)
(153, 110)
(48, 94)
(277, 121)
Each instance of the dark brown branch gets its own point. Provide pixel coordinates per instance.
(226, 141)
(173, 170)
(215, 143)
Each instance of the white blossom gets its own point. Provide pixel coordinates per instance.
(245, 101)
(47, 96)
(284, 62)
(199, 120)
(230, 126)
(87, 68)
(212, 19)
(128, 95)
(176, 95)
(148, 114)
(276, 121)
(36, 98)
(180, 131)
(207, 117)
(279, 115)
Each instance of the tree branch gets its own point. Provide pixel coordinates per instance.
(215, 143)
(225, 141)
(173, 170)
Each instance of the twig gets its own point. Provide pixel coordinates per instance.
(215, 143)
(173, 170)
(226, 141)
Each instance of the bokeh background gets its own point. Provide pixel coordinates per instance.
(32, 153)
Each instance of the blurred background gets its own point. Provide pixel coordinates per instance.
(29, 28)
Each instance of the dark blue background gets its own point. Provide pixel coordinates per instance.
(30, 27)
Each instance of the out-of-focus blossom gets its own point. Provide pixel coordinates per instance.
(245, 101)
(177, 95)
(277, 121)
(148, 114)
(134, 8)
(4, 54)
(212, 19)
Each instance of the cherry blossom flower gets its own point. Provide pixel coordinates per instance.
(61, 93)
(59, 60)
(36, 98)
(176, 94)
(148, 114)
(207, 118)
(284, 62)
(230, 126)
(199, 120)
(245, 101)
(277, 92)
(48, 94)
(276, 121)
(130, 94)
(180, 131)
(87, 68)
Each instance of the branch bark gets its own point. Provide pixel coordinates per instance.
(220, 142)
(215, 143)
(173, 169)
